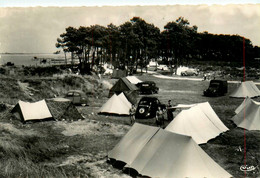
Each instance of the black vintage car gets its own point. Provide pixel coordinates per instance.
(147, 87)
(216, 88)
(147, 107)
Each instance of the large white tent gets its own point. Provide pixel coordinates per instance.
(154, 152)
(200, 122)
(115, 105)
(133, 79)
(173, 155)
(246, 89)
(248, 115)
(132, 143)
(32, 111)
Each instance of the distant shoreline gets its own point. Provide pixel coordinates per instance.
(28, 53)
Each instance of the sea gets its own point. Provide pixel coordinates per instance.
(30, 59)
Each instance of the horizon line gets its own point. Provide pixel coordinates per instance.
(132, 5)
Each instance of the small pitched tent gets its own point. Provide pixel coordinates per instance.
(115, 105)
(132, 96)
(200, 122)
(32, 111)
(248, 115)
(172, 155)
(133, 79)
(63, 109)
(122, 85)
(124, 99)
(117, 73)
(246, 89)
(132, 143)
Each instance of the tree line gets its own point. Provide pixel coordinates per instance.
(136, 42)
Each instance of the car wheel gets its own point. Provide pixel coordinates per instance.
(141, 110)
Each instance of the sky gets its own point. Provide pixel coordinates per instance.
(26, 27)
(26, 3)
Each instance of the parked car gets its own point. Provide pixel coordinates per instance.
(147, 107)
(77, 97)
(189, 72)
(147, 87)
(216, 88)
(162, 67)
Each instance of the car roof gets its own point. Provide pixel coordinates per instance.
(77, 91)
(148, 82)
(219, 80)
(149, 98)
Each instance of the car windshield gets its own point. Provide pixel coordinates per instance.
(76, 94)
(145, 102)
(145, 85)
(70, 94)
(214, 85)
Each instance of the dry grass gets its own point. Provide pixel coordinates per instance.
(36, 88)
(21, 150)
(91, 127)
(79, 148)
(58, 149)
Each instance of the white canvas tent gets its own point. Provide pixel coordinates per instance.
(172, 155)
(248, 115)
(246, 89)
(132, 143)
(115, 105)
(32, 111)
(124, 99)
(183, 106)
(200, 122)
(152, 64)
(133, 79)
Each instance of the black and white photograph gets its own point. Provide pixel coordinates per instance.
(121, 89)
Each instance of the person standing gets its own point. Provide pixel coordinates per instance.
(132, 114)
(204, 77)
(159, 117)
(169, 111)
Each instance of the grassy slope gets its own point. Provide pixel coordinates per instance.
(79, 149)
(28, 88)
